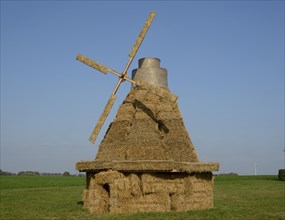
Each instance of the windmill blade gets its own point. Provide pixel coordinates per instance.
(157, 90)
(92, 63)
(102, 118)
(142, 34)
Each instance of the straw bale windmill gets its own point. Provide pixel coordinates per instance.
(146, 161)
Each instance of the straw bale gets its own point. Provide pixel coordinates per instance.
(147, 162)
(143, 128)
(281, 174)
(147, 165)
(118, 131)
(156, 183)
(126, 187)
(145, 151)
(200, 184)
(200, 189)
(107, 177)
(120, 189)
(142, 192)
(165, 93)
(198, 193)
(147, 127)
(96, 200)
(163, 107)
(144, 203)
(188, 203)
(179, 202)
(184, 202)
(140, 114)
(126, 113)
(152, 202)
(169, 115)
(144, 95)
(135, 184)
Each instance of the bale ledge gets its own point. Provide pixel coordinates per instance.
(147, 166)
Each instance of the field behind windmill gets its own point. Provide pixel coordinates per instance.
(59, 197)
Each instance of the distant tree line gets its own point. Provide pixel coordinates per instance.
(36, 173)
(28, 173)
(5, 173)
(51, 174)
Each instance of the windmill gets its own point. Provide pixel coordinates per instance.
(124, 77)
(147, 161)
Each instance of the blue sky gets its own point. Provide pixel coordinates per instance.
(225, 61)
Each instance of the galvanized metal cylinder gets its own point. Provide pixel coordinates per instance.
(150, 71)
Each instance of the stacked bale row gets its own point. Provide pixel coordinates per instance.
(117, 192)
(147, 127)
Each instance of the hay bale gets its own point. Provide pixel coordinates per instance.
(135, 184)
(147, 127)
(179, 202)
(201, 188)
(281, 174)
(163, 183)
(122, 192)
(147, 166)
(120, 189)
(147, 162)
(126, 113)
(198, 193)
(144, 203)
(96, 200)
(107, 177)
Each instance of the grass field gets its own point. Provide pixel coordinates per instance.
(58, 197)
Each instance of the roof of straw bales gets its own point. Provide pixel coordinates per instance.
(147, 127)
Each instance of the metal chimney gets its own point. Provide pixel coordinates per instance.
(150, 71)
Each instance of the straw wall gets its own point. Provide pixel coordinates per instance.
(147, 127)
(147, 162)
(117, 192)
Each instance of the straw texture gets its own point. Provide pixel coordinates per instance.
(147, 127)
(147, 162)
(147, 165)
(117, 192)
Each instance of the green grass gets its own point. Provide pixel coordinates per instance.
(58, 197)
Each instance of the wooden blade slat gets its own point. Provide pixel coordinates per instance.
(142, 34)
(92, 63)
(102, 118)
